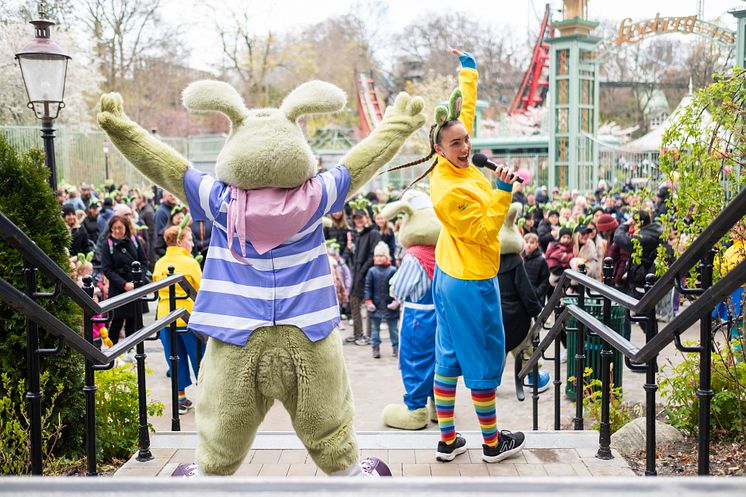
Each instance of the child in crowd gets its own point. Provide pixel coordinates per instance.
(379, 302)
(178, 254)
(536, 266)
(559, 253)
(83, 268)
(342, 277)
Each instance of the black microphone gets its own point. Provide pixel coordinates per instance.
(481, 160)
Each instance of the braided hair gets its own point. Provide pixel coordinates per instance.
(433, 141)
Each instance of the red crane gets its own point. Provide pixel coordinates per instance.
(534, 88)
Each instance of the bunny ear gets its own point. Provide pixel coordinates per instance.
(454, 104)
(215, 96)
(513, 211)
(441, 115)
(392, 210)
(313, 97)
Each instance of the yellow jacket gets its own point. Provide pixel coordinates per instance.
(185, 264)
(471, 211)
(734, 255)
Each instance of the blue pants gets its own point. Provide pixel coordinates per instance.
(375, 331)
(470, 338)
(186, 348)
(417, 353)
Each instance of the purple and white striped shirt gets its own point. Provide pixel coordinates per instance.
(291, 284)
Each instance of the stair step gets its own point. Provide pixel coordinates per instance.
(388, 440)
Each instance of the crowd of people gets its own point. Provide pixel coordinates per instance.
(111, 227)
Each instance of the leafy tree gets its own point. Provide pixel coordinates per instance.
(703, 158)
(28, 201)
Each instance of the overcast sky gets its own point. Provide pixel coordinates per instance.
(521, 15)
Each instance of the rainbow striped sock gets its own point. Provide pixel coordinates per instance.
(182, 397)
(444, 388)
(484, 405)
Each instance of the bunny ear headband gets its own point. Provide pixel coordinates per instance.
(183, 225)
(444, 114)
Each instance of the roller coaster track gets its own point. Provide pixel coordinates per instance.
(533, 88)
(368, 105)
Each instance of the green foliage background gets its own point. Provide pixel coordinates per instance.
(29, 202)
(703, 156)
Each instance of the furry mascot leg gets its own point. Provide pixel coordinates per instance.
(238, 385)
(417, 362)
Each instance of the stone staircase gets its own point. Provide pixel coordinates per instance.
(408, 454)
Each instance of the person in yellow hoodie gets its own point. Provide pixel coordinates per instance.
(178, 254)
(731, 309)
(470, 338)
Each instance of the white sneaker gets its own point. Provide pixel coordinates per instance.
(563, 357)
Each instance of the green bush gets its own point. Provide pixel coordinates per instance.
(29, 202)
(117, 421)
(619, 413)
(728, 405)
(15, 442)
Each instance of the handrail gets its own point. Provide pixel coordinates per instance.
(33, 311)
(609, 335)
(17, 239)
(705, 302)
(730, 215)
(136, 293)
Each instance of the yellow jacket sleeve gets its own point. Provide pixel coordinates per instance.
(468, 79)
(469, 220)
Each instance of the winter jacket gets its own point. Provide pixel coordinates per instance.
(544, 231)
(80, 244)
(339, 234)
(538, 273)
(117, 257)
(649, 238)
(619, 252)
(517, 300)
(362, 258)
(558, 257)
(377, 290)
(592, 265)
(91, 227)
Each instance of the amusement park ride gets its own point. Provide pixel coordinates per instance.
(563, 76)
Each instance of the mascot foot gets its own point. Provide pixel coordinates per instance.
(399, 416)
(431, 410)
(186, 470)
(372, 467)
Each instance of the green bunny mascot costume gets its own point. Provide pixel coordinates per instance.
(267, 299)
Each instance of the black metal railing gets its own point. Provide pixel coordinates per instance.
(25, 302)
(642, 311)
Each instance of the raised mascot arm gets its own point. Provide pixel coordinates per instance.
(156, 160)
(400, 120)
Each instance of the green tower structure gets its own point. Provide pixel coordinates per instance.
(573, 101)
(740, 15)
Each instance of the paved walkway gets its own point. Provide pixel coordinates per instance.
(376, 383)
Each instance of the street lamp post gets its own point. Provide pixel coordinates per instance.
(106, 161)
(44, 68)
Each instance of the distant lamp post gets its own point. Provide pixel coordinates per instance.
(44, 68)
(106, 160)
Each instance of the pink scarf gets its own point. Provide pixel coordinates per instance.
(425, 254)
(268, 217)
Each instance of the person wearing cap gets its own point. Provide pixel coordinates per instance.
(379, 302)
(541, 195)
(90, 223)
(362, 243)
(79, 237)
(105, 214)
